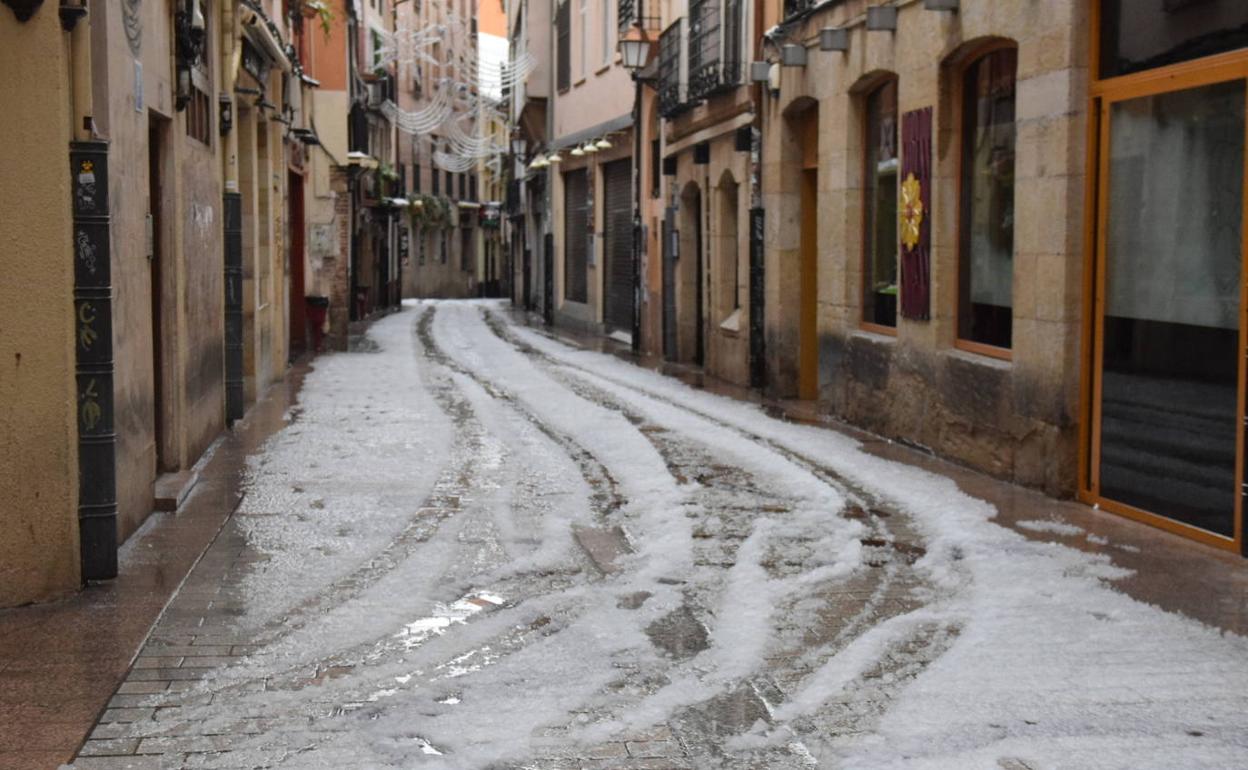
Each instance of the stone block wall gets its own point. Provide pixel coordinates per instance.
(1016, 418)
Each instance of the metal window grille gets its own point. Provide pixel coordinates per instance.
(703, 48)
(672, 81)
(714, 47)
(795, 7)
(731, 68)
(626, 14)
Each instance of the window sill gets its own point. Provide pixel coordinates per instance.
(603, 68)
(878, 330)
(974, 352)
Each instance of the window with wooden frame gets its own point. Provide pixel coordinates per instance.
(880, 191)
(1163, 397)
(563, 46)
(605, 28)
(583, 42)
(986, 215)
(199, 107)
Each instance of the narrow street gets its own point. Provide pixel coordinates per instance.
(474, 546)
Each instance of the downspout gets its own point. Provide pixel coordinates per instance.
(232, 203)
(93, 322)
(548, 218)
(758, 275)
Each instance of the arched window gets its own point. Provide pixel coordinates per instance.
(879, 280)
(986, 230)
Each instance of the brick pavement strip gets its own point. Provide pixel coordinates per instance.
(109, 748)
(117, 763)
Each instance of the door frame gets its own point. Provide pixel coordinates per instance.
(296, 306)
(1103, 94)
(808, 258)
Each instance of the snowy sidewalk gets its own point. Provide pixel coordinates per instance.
(477, 547)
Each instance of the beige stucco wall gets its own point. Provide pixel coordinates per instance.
(188, 385)
(1015, 418)
(38, 435)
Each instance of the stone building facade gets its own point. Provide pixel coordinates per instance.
(709, 186)
(842, 134)
(164, 254)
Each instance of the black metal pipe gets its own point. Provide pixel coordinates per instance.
(234, 397)
(93, 344)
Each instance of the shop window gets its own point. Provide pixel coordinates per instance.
(986, 264)
(880, 191)
(1141, 34)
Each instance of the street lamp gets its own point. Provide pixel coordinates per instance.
(635, 49)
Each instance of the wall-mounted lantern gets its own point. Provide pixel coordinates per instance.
(793, 55)
(882, 18)
(833, 39)
(225, 113)
(24, 9)
(182, 94)
(70, 14)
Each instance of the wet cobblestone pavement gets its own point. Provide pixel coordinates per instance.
(470, 550)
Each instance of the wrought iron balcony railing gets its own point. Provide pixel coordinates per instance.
(673, 94)
(626, 14)
(714, 47)
(794, 7)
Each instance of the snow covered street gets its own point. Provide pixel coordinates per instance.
(474, 546)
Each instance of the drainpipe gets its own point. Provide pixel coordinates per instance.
(232, 205)
(93, 322)
(757, 323)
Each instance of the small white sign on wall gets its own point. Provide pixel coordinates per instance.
(321, 240)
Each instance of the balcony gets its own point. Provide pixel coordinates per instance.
(673, 94)
(714, 47)
(626, 15)
(797, 7)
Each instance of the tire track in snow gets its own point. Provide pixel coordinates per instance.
(607, 497)
(892, 556)
(441, 504)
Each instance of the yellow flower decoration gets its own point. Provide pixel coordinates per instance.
(87, 166)
(911, 211)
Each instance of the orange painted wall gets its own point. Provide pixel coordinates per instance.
(328, 60)
(491, 19)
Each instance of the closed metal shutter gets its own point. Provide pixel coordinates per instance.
(575, 235)
(618, 249)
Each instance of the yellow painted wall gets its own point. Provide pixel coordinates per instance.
(38, 449)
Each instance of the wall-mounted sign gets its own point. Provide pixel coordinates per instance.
(914, 213)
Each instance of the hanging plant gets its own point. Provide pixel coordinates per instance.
(430, 212)
(323, 13)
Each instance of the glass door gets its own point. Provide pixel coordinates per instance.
(1168, 357)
